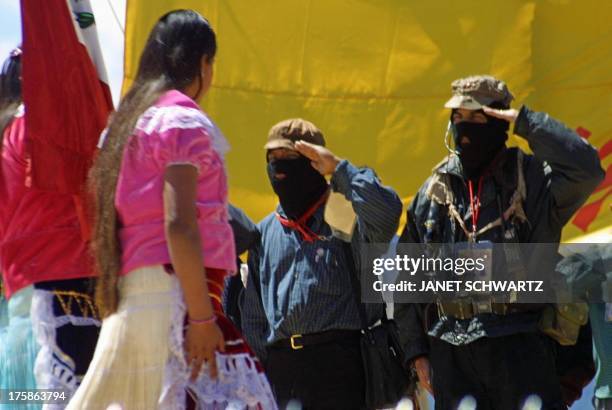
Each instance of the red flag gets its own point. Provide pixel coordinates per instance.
(65, 92)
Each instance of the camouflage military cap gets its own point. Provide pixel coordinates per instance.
(474, 92)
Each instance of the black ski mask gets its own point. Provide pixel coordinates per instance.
(485, 142)
(300, 189)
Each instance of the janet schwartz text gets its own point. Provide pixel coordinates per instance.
(484, 286)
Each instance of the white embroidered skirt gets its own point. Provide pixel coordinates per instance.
(139, 362)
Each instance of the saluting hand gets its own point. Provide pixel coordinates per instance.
(321, 159)
(507, 115)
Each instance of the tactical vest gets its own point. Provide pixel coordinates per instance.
(440, 192)
(514, 223)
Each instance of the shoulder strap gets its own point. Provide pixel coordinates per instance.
(350, 261)
(440, 191)
(521, 187)
(520, 194)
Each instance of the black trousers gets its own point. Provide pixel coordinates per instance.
(324, 376)
(499, 373)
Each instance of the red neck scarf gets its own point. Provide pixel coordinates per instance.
(300, 224)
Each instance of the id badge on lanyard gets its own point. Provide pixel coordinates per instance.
(481, 255)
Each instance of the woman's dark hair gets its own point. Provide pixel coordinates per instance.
(171, 60)
(10, 89)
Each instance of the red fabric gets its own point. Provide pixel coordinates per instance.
(583, 132)
(40, 236)
(475, 202)
(300, 225)
(588, 213)
(67, 106)
(216, 284)
(216, 281)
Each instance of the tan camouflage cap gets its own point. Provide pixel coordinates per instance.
(285, 133)
(474, 92)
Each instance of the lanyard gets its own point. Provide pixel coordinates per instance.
(300, 225)
(475, 203)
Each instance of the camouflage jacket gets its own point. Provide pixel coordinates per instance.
(560, 175)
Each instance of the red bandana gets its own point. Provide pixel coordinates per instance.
(300, 224)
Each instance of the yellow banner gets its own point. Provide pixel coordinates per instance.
(374, 75)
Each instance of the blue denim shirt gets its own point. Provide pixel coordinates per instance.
(297, 287)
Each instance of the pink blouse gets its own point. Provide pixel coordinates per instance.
(173, 131)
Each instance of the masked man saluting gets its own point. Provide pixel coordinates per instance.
(299, 312)
(486, 192)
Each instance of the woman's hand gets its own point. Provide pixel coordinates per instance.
(202, 340)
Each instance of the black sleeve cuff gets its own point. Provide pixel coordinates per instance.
(522, 124)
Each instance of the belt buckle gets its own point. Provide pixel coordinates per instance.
(501, 308)
(465, 310)
(293, 345)
(482, 306)
(457, 309)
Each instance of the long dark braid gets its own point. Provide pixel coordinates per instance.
(171, 60)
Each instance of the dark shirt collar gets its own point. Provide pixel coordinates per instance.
(451, 166)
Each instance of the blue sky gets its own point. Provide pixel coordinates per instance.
(109, 32)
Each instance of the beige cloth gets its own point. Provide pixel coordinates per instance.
(127, 369)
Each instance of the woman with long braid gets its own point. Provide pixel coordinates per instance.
(163, 243)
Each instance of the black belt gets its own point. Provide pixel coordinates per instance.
(297, 342)
(467, 308)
